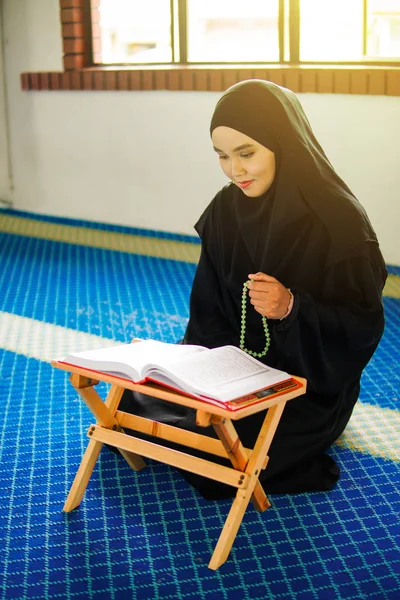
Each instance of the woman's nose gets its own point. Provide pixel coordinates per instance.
(237, 167)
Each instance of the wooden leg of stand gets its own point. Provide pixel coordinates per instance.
(239, 458)
(135, 461)
(101, 411)
(83, 475)
(104, 414)
(242, 498)
(230, 529)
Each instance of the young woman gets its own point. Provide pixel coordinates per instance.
(288, 229)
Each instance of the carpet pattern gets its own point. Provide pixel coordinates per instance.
(68, 285)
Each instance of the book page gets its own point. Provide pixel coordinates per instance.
(219, 367)
(131, 359)
(223, 373)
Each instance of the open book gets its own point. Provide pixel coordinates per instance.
(225, 376)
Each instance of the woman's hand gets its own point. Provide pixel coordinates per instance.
(268, 296)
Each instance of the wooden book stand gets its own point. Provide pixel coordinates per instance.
(246, 463)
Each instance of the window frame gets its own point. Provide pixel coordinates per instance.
(294, 41)
(81, 36)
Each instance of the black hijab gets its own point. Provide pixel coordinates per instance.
(303, 231)
(308, 208)
(310, 232)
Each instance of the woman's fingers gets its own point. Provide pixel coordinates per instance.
(267, 295)
(262, 277)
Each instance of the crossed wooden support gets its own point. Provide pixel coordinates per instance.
(246, 463)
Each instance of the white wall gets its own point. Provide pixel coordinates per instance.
(5, 175)
(144, 158)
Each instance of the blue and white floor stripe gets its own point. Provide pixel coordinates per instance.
(149, 535)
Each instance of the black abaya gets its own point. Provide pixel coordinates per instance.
(311, 234)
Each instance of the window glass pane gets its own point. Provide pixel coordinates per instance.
(135, 31)
(383, 36)
(286, 26)
(331, 30)
(233, 30)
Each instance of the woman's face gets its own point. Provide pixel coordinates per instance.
(247, 163)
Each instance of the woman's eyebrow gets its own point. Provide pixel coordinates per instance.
(242, 147)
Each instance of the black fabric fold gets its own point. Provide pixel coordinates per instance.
(311, 234)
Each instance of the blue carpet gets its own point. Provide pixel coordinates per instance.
(148, 535)
(103, 292)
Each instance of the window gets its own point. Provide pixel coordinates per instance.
(354, 31)
(232, 31)
(133, 31)
(309, 46)
(138, 32)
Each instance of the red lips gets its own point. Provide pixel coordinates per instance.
(244, 184)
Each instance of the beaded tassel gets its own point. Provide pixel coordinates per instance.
(243, 328)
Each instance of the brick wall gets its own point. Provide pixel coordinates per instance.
(80, 22)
